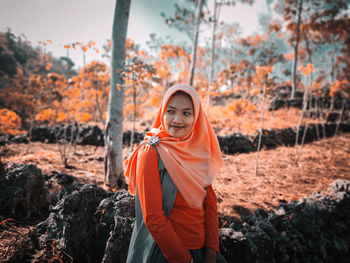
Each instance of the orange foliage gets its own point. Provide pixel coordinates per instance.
(340, 86)
(84, 117)
(44, 116)
(10, 122)
(263, 71)
(48, 66)
(233, 117)
(289, 56)
(316, 86)
(240, 106)
(61, 116)
(63, 100)
(256, 40)
(306, 70)
(86, 103)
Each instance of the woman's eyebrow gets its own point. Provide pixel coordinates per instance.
(182, 109)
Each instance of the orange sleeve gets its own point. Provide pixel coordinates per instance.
(149, 192)
(211, 220)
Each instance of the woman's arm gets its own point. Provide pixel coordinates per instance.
(211, 221)
(150, 194)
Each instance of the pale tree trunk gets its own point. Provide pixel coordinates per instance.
(309, 53)
(114, 124)
(195, 41)
(216, 14)
(213, 39)
(315, 109)
(134, 113)
(332, 73)
(297, 152)
(261, 126)
(97, 100)
(308, 90)
(296, 47)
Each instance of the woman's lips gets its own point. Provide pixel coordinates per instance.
(177, 127)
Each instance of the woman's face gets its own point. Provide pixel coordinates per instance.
(179, 115)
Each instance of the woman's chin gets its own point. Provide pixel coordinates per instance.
(177, 133)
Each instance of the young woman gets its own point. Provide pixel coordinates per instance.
(170, 174)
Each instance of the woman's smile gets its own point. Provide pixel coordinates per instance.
(176, 127)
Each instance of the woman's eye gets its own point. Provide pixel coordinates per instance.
(170, 111)
(186, 113)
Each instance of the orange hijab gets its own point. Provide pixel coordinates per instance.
(191, 162)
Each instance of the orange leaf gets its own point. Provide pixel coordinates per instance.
(48, 66)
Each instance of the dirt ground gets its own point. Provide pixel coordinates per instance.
(238, 189)
(240, 192)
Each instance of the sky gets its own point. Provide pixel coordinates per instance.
(68, 21)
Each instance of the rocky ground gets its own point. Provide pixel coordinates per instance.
(240, 192)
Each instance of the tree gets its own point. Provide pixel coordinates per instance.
(114, 123)
(296, 46)
(262, 74)
(195, 41)
(292, 15)
(214, 19)
(183, 18)
(137, 74)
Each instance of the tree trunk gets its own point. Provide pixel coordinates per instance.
(114, 124)
(309, 53)
(213, 38)
(296, 47)
(98, 106)
(195, 41)
(332, 73)
(303, 111)
(134, 114)
(308, 89)
(261, 126)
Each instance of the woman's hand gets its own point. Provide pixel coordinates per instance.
(210, 255)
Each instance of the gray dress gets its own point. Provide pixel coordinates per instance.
(142, 246)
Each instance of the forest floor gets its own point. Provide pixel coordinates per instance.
(240, 192)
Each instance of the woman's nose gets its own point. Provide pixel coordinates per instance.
(177, 118)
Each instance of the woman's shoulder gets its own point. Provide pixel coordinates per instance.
(148, 152)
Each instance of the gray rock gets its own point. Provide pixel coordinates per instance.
(72, 225)
(313, 229)
(85, 219)
(340, 185)
(23, 192)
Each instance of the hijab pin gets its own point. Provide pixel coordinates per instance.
(154, 140)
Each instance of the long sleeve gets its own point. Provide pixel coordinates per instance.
(211, 220)
(150, 194)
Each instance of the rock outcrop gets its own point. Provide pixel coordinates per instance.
(22, 191)
(312, 229)
(88, 224)
(84, 220)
